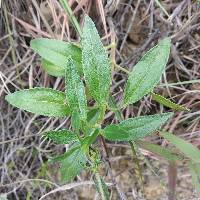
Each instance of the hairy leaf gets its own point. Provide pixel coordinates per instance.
(63, 136)
(96, 67)
(159, 150)
(52, 69)
(88, 140)
(93, 115)
(113, 106)
(167, 102)
(42, 101)
(147, 72)
(135, 128)
(185, 147)
(75, 91)
(72, 165)
(57, 52)
(61, 157)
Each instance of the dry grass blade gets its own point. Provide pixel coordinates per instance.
(70, 186)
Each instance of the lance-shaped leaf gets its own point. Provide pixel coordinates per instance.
(63, 136)
(56, 52)
(72, 164)
(185, 147)
(75, 91)
(147, 72)
(52, 69)
(96, 67)
(41, 101)
(93, 116)
(168, 103)
(88, 140)
(135, 128)
(159, 150)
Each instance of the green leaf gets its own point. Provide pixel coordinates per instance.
(93, 116)
(159, 150)
(61, 157)
(113, 106)
(52, 69)
(75, 91)
(101, 187)
(88, 140)
(56, 52)
(195, 172)
(96, 67)
(147, 72)
(168, 103)
(41, 101)
(185, 147)
(135, 128)
(63, 136)
(76, 121)
(116, 133)
(72, 165)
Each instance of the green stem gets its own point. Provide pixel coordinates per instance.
(138, 169)
(71, 16)
(110, 46)
(121, 68)
(101, 187)
(132, 144)
(162, 8)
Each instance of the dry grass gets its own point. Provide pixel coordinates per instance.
(134, 26)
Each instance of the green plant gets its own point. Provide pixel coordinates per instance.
(88, 75)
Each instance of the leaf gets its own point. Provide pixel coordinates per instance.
(101, 187)
(72, 162)
(63, 136)
(52, 69)
(113, 106)
(75, 90)
(185, 147)
(61, 157)
(93, 116)
(195, 172)
(147, 72)
(88, 140)
(41, 101)
(135, 128)
(72, 165)
(116, 133)
(168, 103)
(96, 67)
(57, 52)
(159, 150)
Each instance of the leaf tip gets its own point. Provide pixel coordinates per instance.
(9, 98)
(165, 41)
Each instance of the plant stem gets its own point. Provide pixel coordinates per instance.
(162, 8)
(110, 46)
(71, 16)
(101, 188)
(138, 170)
(121, 68)
(132, 144)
